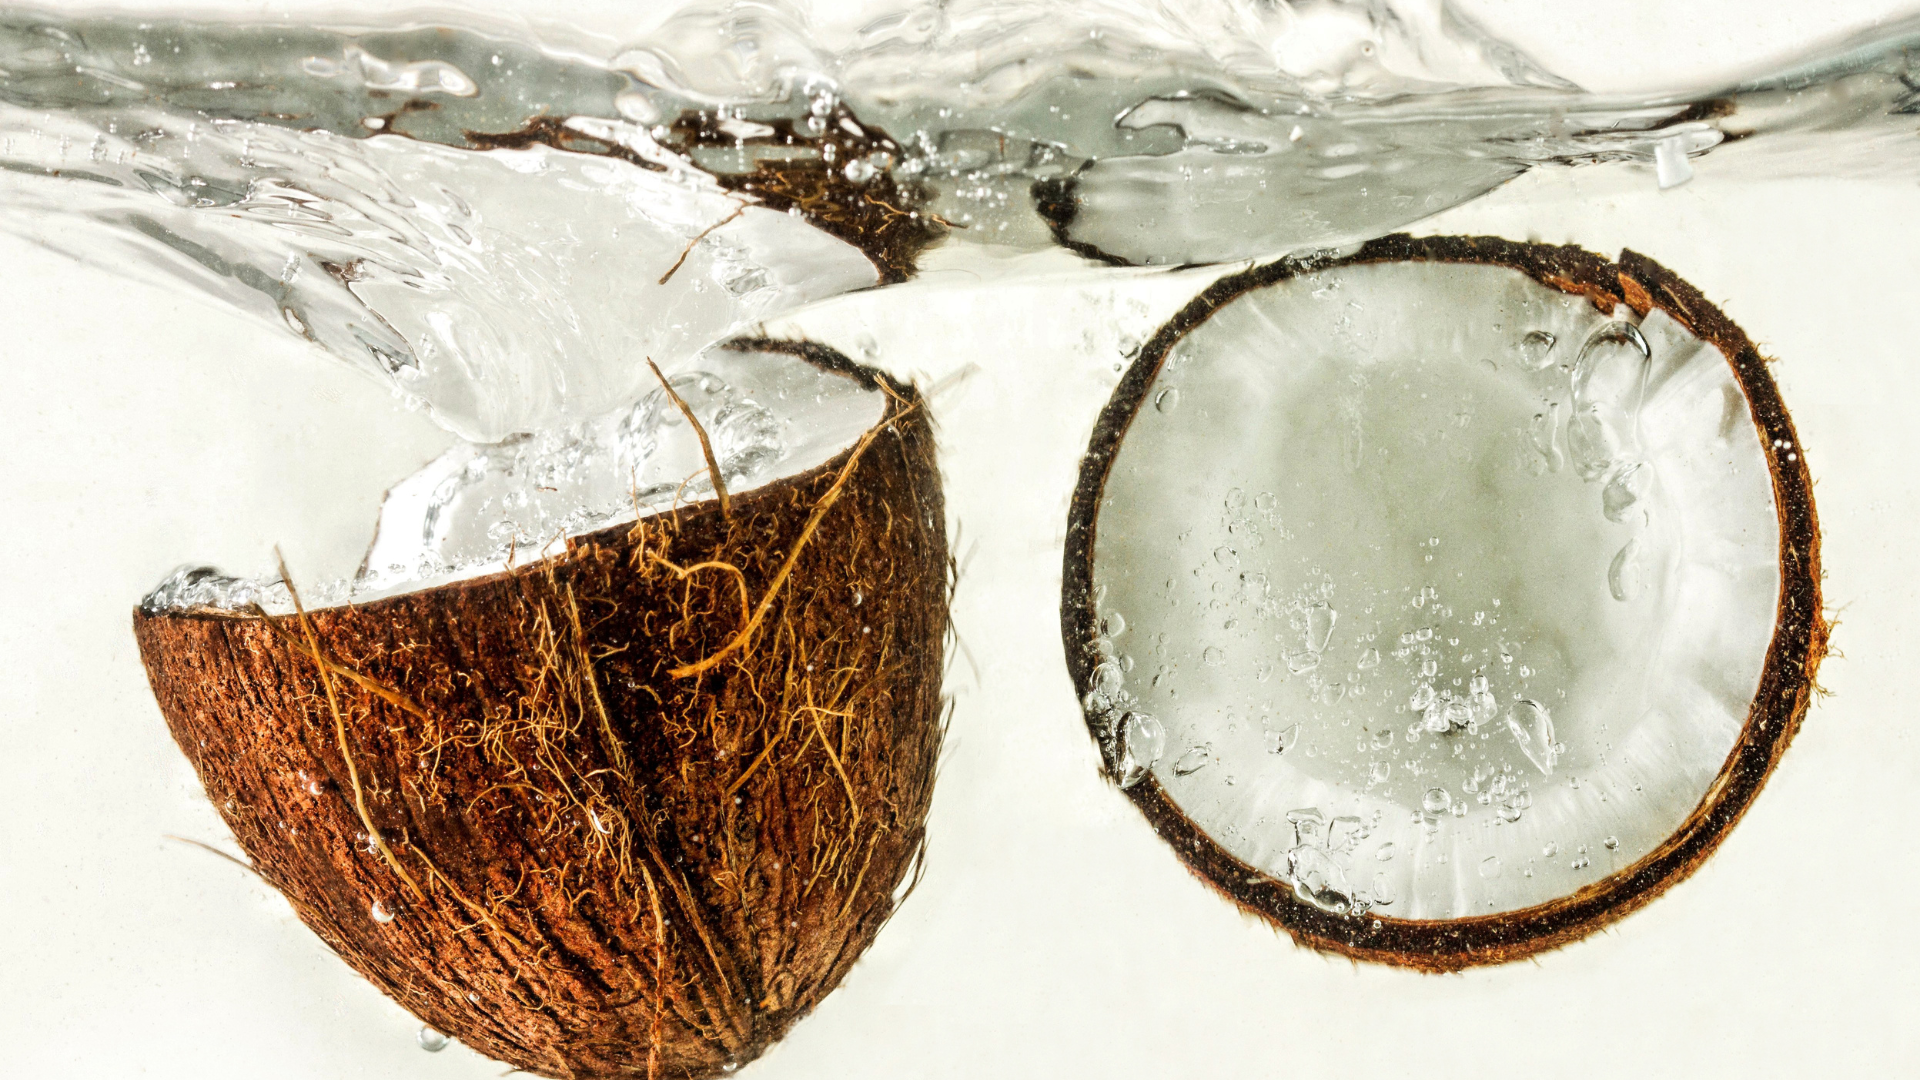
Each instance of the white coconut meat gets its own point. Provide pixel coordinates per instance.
(479, 509)
(1432, 590)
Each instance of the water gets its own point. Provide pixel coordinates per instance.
(450, 265)
(484, 223)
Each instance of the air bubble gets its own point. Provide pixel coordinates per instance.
(1532, 728)
(1535, 349)
(1320, 621)
(1279, 742)
(1623, 491)
(1193, 760)
(1626, 578)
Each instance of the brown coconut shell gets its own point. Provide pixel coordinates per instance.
(1786, 683)
(610, 834)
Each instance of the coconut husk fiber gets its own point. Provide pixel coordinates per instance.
(630, 811)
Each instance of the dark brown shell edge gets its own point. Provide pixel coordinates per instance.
(1779, 705)
(734, 840)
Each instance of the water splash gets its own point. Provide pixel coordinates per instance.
(488, 223)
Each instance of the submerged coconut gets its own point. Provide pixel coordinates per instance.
(631, 808)
(1444, 602)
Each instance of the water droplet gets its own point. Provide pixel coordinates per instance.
(1214, 656)
(1490, 867)
(1385, 854)
(1317, 880)
(1626, 578)
(1436, 801)
(1612, 843)
(1544, 433)
(1593, 442)
(1609, 381)
(1345, 833)
(1532, 728)
(1309, 826)
(1535, 349)
(1622, 492)
(1225, 556)
(1142, 741)
(1368, 660)
(1379, 771)
(1167, 400)
(1382, 891)
(1279, 742)
(1236, 499)
(1670, 165)
(1550, 850)
(380, 913)
(1193, 760)
(1265, 501)
(1421, 698)
(1114, 625)
(432, 1041)
(1320, 620)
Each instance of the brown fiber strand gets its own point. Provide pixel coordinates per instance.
(340, 733)
(706, 445)
(738, 209)
(780, 578)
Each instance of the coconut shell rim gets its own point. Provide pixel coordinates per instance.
(1779, 704)
(898, 397)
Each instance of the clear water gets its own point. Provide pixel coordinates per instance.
(378, 194)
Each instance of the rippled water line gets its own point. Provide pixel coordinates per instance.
(484, 221)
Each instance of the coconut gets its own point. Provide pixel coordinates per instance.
(628, 809)
(1444, 602)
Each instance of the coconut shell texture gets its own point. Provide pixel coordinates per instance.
(1779, 704)
(581, 862)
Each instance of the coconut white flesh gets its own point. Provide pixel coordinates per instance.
(1429, 617)
(478, 508)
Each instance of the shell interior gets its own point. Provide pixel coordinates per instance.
(1431, 590)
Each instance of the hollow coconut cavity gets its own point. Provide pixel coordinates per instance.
(628, 807)
(1444, 602)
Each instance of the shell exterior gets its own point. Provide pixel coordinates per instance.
(580, 862)
(1786, 686)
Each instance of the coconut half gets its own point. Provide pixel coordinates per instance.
(628, 808)
(1444, 602)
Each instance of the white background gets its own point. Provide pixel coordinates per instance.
(1054, 936)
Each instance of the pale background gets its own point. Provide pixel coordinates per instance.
(1054, 936)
